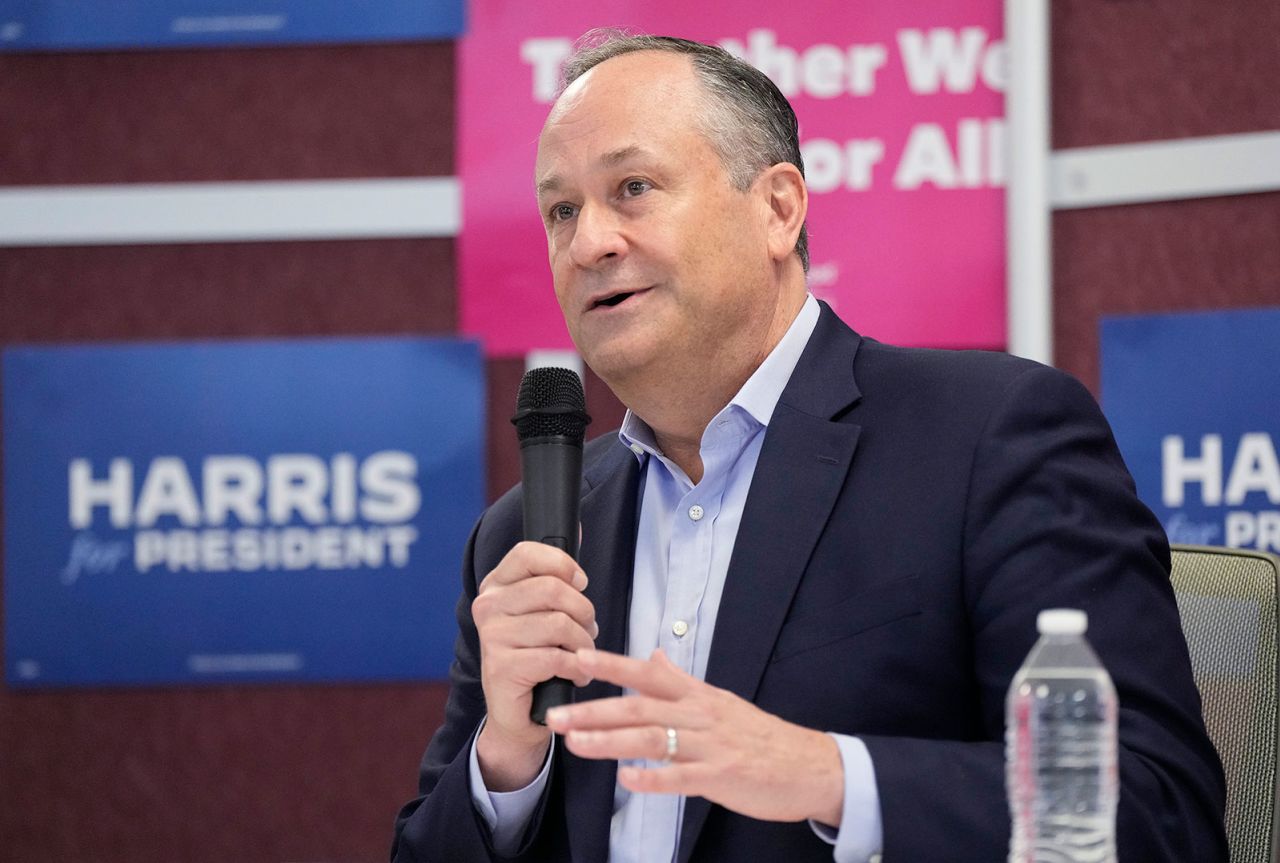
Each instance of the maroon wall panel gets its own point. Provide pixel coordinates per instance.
(1211, 253)
(247, 114)
(235, 773)
(1128, 71)
(1125, 72)
(230, 289)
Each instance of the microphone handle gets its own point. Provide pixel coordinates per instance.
(548, 694)
(552, 470)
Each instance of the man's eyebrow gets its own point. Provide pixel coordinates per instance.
(621, 154)
(549, 183)
(552, 182)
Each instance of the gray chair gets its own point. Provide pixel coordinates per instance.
(1228, 601)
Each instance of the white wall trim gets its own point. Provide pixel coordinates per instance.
(564, 359)
(230, 212)
(1028, 249)
(1165, 170)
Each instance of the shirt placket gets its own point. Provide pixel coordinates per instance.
(688, 568)
(689, 560)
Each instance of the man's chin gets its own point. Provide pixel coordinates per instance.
(618, 363)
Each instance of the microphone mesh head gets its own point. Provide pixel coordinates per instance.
(551, 404)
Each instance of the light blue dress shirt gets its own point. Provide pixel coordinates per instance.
(684, 542)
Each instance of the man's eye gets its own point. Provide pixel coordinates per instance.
(631, 188)
(562, 212)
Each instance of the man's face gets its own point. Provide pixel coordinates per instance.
(660, 265)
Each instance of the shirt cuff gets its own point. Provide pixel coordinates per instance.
(860, 837)
(506, 813)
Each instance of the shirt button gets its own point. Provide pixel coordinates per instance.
(874, 858)
(637, 449)
(695, 512)
(679, 628)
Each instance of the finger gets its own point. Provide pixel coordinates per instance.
(538, 629)
(532, 665)
(625, 711)
(535, 594)
(656, 677)
(687, 779)
(660, 657)
(535, 558)
(632, 743)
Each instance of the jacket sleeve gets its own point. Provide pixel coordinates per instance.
(1052, 520)
(442, 823)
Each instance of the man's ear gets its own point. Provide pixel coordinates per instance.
(788, 205)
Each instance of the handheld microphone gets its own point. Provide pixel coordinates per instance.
(550, 422)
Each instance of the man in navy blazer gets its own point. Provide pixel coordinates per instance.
(909, 513)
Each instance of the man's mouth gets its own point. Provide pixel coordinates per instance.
(615, 299)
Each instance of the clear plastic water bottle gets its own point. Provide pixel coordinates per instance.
(1060, 749)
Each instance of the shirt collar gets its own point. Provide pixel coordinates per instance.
(758, 396)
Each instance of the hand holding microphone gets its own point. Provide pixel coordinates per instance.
(530, 612)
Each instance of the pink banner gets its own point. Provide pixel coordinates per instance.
(900, 108)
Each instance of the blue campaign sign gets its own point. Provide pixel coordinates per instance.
(57, 25)
(1195, 403)
(237, 511)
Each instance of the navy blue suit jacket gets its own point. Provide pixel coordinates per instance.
(910, 514)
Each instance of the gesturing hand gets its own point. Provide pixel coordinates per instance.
(728, 750)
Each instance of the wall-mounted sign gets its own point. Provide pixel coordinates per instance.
(76, 25)
(1195, 403)
(243, 511)
(901, 125)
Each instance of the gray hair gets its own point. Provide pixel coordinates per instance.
(748, 121)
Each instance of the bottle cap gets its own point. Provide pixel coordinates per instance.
(1062, 621)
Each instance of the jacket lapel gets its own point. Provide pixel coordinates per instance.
(802, 468)
(607, 555)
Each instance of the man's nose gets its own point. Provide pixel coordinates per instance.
(597, 238)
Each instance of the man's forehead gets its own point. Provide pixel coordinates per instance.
(639, 92)
(650, 73)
